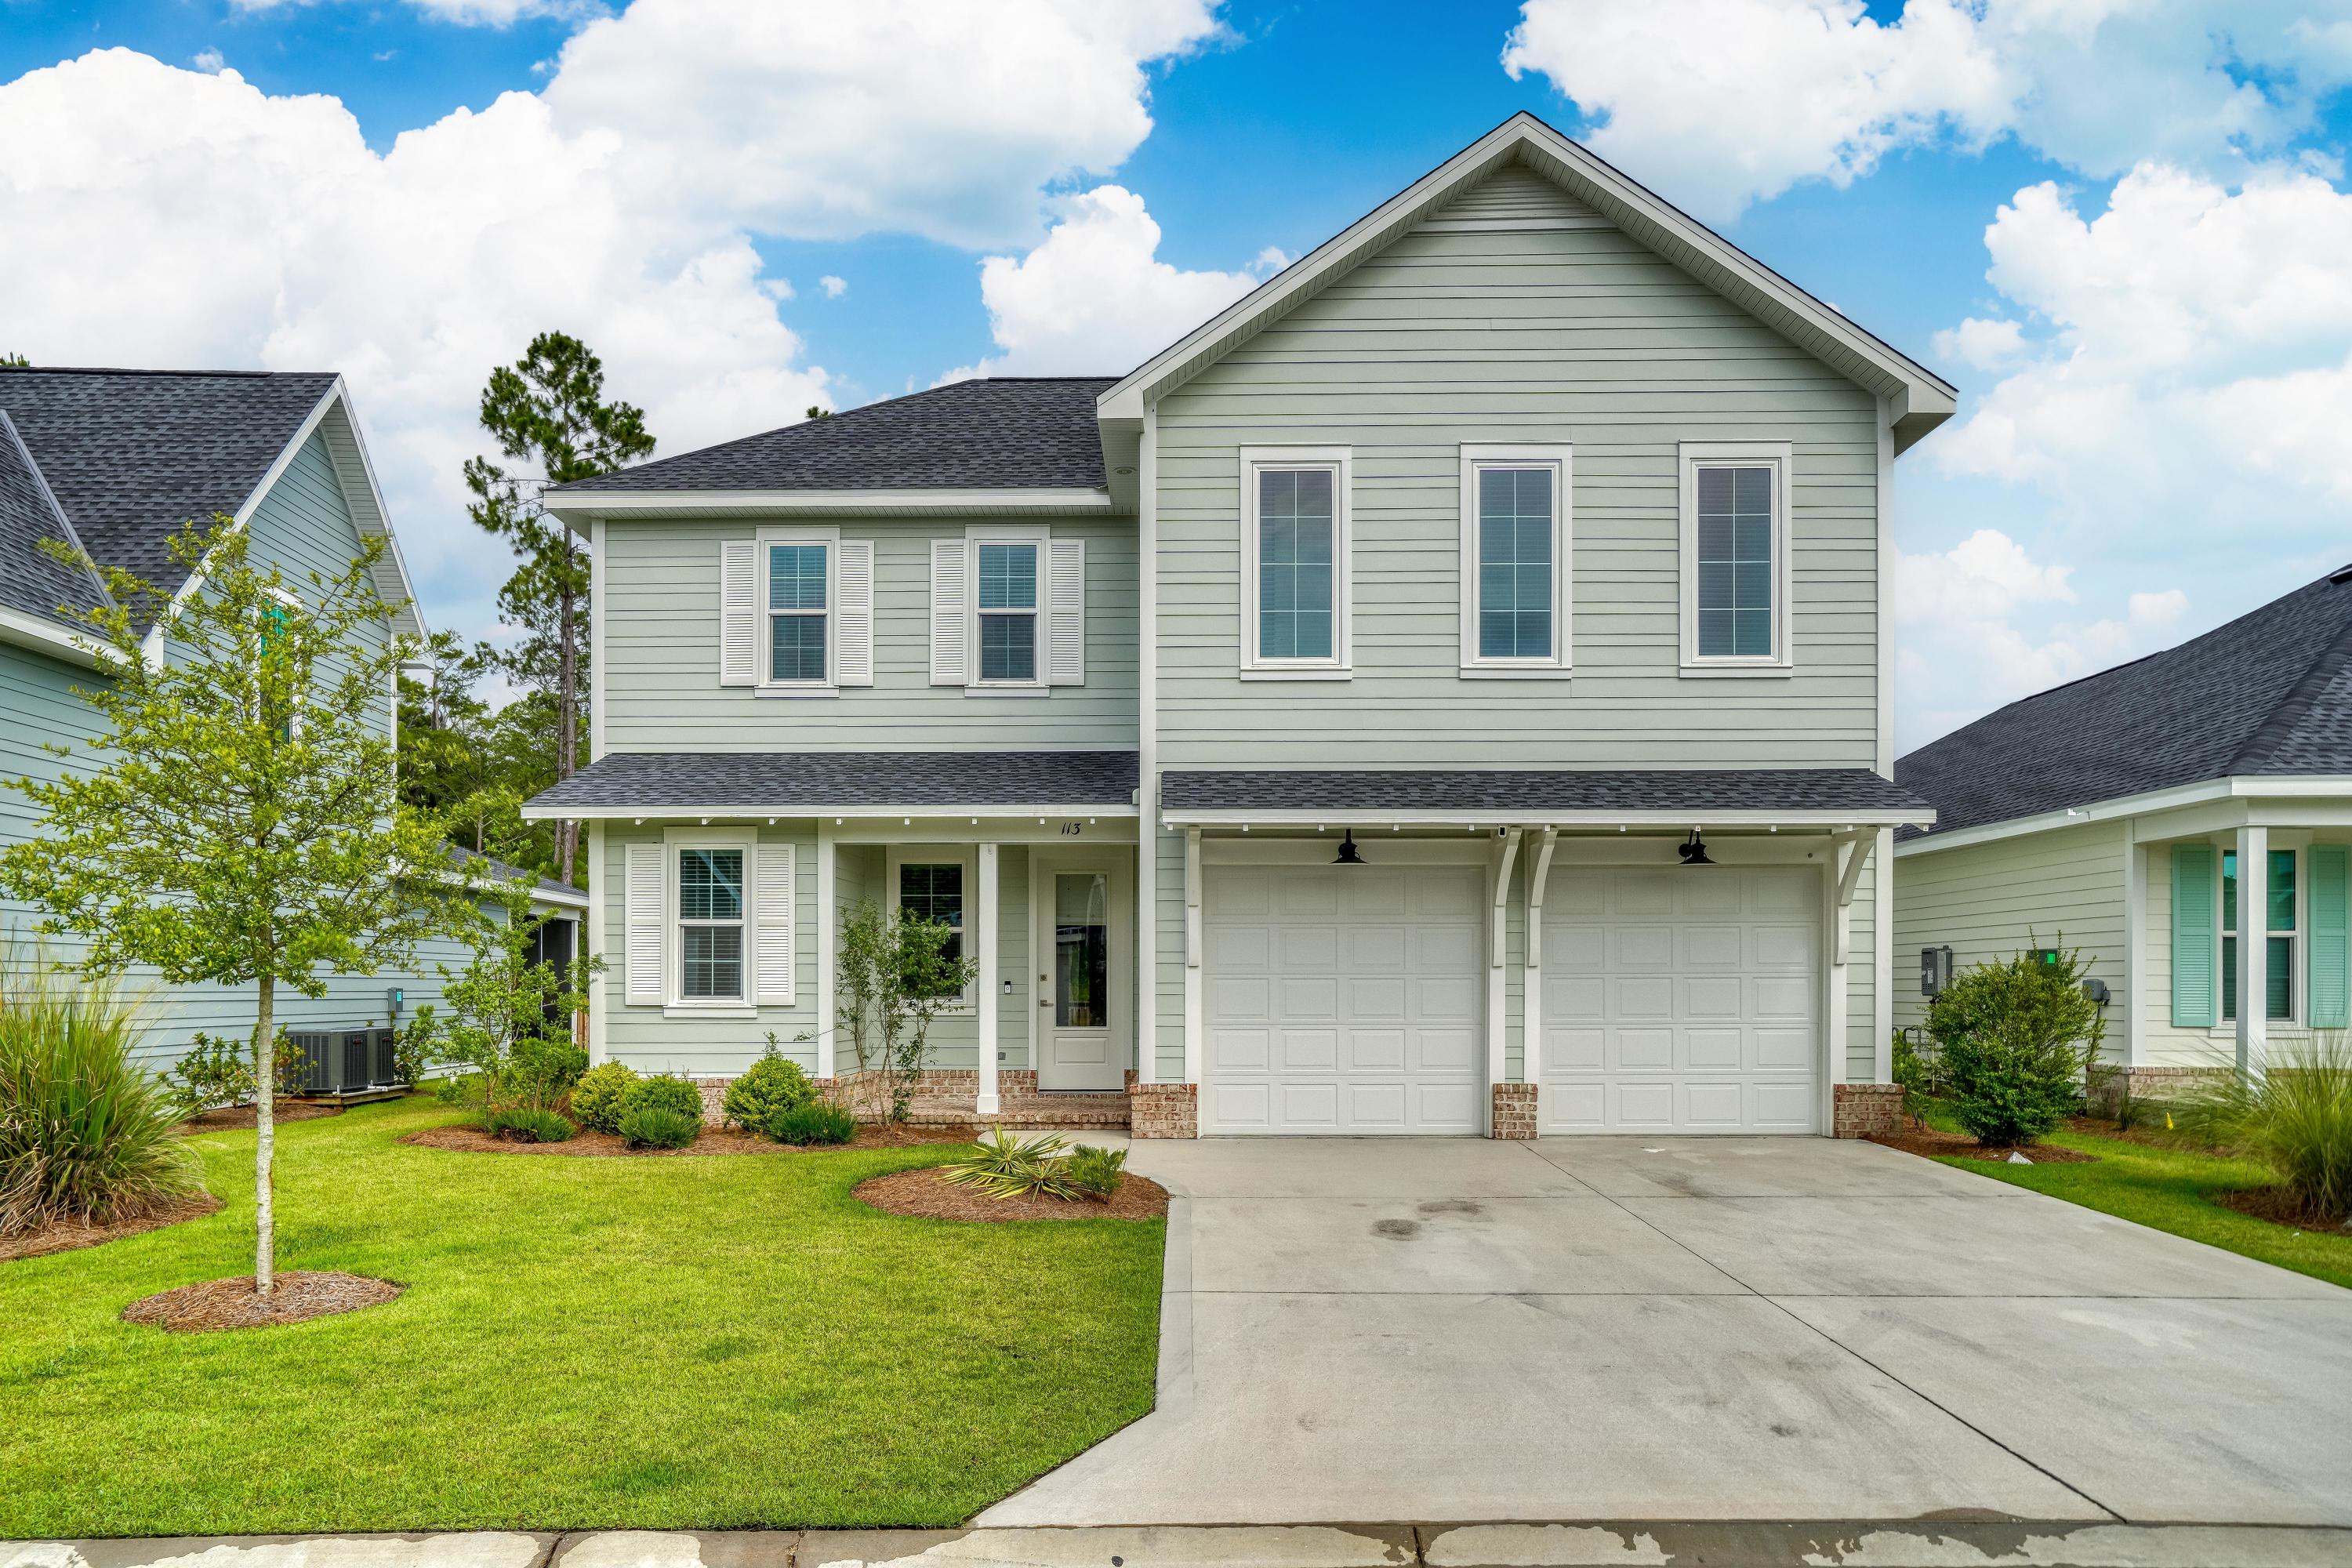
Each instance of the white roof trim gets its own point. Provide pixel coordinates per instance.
(1920, 399)
(578, 506)
(2253, 787)
(47, 637)
(76, 646)
(1678, 821)
(803, 811)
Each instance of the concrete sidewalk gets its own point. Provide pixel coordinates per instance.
(1857, 1544)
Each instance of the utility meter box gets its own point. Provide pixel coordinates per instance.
(1935, 970)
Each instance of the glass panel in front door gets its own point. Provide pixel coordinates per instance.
(1082, 950)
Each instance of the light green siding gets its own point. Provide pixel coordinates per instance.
(1991, 901)
(660, 619)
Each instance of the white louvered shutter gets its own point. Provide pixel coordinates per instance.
(1066, 633)
(853, 604)
(739, 613)
(772, 915)
(642, 911)
(951, 592)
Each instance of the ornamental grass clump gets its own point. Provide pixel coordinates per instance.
(2296, 1118)
(2013, 1039)
(658, 1127)
(819, 1121)
(85, 1133)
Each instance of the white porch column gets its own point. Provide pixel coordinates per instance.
(825, 852)
(2134, 944)
(1531, 992)
(1506, 854)
(2254, 948)
(986, 933)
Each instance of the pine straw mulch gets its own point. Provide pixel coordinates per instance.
(2279, 1206)
(297, 1298)
(66, 1234)
(232, 1118)
(594, 1145)
(1927, 1141)
(926, 1194)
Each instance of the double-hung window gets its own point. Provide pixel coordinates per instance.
(1294, 540)
(1514, 558)
(1735, 575)
(799, 581)
(1007, 611)
(710, 933)
(796, 612)
(938, 885)
(2279, 925)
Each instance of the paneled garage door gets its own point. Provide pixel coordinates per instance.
(1682, 1000)
(1342, 999)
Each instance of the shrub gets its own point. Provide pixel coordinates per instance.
(659, 1127)
(814, 1122)
(2296, 1119)
(1005, 1167)
(85, 1133)
(217, 1070)
(665, 1092)
(2014, 1040)
(528, 1124)
(462, 1088)
(602, 1094)
(1095, 1172)
(771, 1086)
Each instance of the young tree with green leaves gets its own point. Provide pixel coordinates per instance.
(234, 818)
(549, 407)
(510, 1014)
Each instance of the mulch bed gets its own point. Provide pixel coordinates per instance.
(297, 1298)
(2278, 1206)
(594, 1145)
(929, 1195)
(65, 1235)
(230, 1118)
(1934, 1145)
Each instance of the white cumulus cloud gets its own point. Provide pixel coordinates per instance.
(835, 287)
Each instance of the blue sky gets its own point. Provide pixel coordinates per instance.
(2141, 209)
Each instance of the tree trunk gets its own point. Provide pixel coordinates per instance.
(265, 1093)
(566, 711)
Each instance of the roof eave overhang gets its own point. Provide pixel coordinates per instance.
(1921, 399)
(2236, 786)
(1677, 821)
(43, 637)
(537, 811)
(580, 509)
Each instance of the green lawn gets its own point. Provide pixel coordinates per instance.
(690, 1341)
(2172, 1189)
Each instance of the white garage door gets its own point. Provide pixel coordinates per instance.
(1341, 999)
(1681, 1000)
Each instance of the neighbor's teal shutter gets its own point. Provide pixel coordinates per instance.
(2192, 936)
(2331, 938)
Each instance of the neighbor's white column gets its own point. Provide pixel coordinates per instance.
(824, 924)
(984, 929)
(2135, 943)
(2254, 948)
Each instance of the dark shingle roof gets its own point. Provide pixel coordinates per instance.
(133, 454)
(506, 872)
(1008, 434)
(662, 781)
(31, 580)
(1537, 792)
(2270, 692)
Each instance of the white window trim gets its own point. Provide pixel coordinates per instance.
(974, 537)
(674, 1004)
(966, 856)
(1558, 457)
(1341, 460)
(289, 600)
(2224, 1024)
(1692, 456)
(764, 653)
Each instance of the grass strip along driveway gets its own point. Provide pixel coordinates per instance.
(701, 1341)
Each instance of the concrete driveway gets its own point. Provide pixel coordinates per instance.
(1701, 1329)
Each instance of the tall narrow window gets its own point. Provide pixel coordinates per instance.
(1515, 560)
(1008, 613)
(935, 893)
(1736, 562)
(2279, 897)
(798, 601)
(1294, 560)
(710, 925)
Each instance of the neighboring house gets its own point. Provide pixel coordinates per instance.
(2184, 820)
(112, 462)
(1302, 728)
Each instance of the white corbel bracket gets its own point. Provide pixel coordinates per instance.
(1192, 897)
(1851, 850)
(1539, 874)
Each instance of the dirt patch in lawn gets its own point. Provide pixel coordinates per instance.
(231, 1118)
(594, 1145)
(927, 1195)
(297, 1298)
(1946, 1146)
(2279, 1206)
(66, 1234)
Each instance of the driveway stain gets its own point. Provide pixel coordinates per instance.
(1461, 1206)
(1396, 1229)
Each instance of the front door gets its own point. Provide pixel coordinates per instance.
(1079, 936)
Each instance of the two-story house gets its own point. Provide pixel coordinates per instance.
(1447, 692)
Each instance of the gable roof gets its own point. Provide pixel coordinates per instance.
(2270, 692)
(31, 580)
(1921, 399)
(1009, 432)
(131, 456)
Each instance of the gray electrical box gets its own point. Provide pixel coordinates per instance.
(1935, 970)
(2097, 990)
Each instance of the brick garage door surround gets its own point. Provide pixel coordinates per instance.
(1164, 1109)
(1868, 1109)
(1514, 1117)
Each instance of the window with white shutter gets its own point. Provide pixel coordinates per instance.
(773, 915)
(951, 596)
(1067, 617)
(805, 641)
(739, 613)
(644, 912)
(854, 636)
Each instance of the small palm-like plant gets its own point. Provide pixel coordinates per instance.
(2296, 1118)
(1005, 1167)
(86, 1133)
